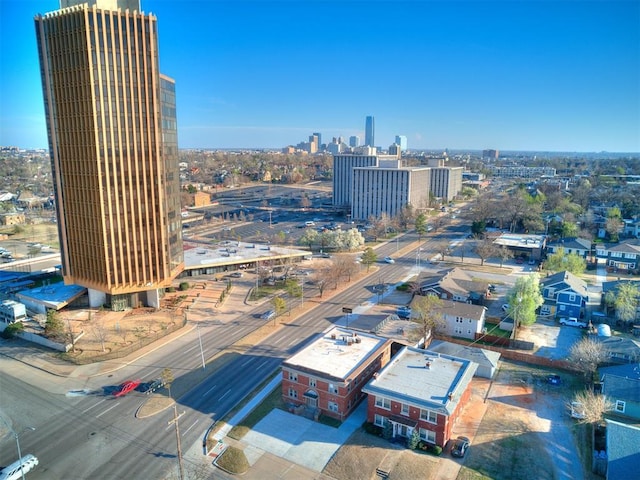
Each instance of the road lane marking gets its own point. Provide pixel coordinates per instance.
(225, 394)
(207, 392)
(261, 365)
(248, 361)
(295, 340)
(192, 425)
(111, 408)
(93, 406)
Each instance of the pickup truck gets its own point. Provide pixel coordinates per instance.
(573, 322)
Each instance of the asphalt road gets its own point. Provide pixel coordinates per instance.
(95, 435)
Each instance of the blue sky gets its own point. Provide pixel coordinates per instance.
(510, 75)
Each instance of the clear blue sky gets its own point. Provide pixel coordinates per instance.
(510, 75)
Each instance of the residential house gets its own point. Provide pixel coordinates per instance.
(458, 319)
(420, 390)
(567, 293)
(621, 384)
(579, 246)
(632, 227)
(327, 375)
(487, 360)
(621, 349)
(623, 454)
(623, 256)
(457, 285)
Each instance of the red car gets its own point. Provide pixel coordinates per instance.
(126, 387)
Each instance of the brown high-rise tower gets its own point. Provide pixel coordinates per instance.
(111, 122)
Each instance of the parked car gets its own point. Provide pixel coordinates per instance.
(460, 447)
(577, 410)
(126, 387)
(389, 260)
(554, 380)
(492, 288)
(236, 275)
(403, 312)
(573, 322)
(505, 307)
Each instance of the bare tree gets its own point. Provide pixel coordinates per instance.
(485, 249)
(587, 354)
(504, 254)
(99, 330)
(591, 406)
(426, 312)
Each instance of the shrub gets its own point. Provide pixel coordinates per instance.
(436, 450)
(372, 429)
(171, 289)
(413, 440)
(403, 288)
(12, 329)
(184, 286)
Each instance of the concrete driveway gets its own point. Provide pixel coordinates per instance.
(299, 440)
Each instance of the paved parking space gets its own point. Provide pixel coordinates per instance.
(300, 440)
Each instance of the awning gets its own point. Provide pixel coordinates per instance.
(310, 394)
(403, 420)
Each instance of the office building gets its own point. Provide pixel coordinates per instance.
(491, 154)
(388, 187)
(318, 135)
(369, 132)
(111, 124)
(402, 141)
(343, 166)
(446, 182)
(354, 141)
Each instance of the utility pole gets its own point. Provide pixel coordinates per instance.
(176, 417)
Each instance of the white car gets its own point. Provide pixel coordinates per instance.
(573, 322)
(389, 260)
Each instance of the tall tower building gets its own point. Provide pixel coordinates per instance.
(369, 132)
(111, 124)
(402, 141)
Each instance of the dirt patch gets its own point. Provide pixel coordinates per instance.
(362, 453)
(155, 404)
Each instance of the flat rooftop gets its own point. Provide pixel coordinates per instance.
(231, 252)
(408, 378)
(336, 357)
(54, 295)
(520, 241)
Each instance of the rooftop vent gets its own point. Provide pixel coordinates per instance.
(427, 365)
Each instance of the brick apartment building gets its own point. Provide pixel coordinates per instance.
(420, 390)
(327, 376)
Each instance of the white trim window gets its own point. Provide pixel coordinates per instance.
(312, 382)
(332, 388)
(383, 403)
(427, 435)
(379, 420)
(429, 416)
(404, 410)
(293, 376)
(293, 393)
(332, 406)
(620, 406)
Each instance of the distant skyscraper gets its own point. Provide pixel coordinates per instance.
(402, 141)
(369, 132)
(354, 141)
(319, 135)
(111, 123)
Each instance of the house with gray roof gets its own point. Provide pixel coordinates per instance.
(462, 320)
(420, 390)
(578, 246)
(567, 292)
(621, 384)
(487, 360)
(455, 284)
(623, 453)
(623, 256)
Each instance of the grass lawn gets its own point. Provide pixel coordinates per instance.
(271, 401)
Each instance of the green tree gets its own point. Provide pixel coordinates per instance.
(54, 327)
(369, 257)
(560, 261)
(421, 225)
(524, 299)
(569, 230)
(626, 301)
(309, 237)
(12, 330)
(614, 223)
(279, 304)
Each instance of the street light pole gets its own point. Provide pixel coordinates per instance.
(16, 436)
(201, 350)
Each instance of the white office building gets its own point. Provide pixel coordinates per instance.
(387, 188)
(343, 166)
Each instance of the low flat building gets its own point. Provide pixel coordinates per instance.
(327, 376)
(420, 390)
(529, 246)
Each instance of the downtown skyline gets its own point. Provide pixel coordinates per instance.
(510, 75)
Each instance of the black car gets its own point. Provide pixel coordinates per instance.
(460, 447)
